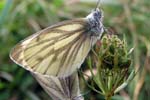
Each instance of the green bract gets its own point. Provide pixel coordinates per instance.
(112, 61)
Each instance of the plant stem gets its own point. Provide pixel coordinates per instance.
(108, 98)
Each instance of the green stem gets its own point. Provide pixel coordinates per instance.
(108, 97)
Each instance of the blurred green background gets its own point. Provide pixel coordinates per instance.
(21, 18)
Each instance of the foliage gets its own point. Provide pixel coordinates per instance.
(21, 18)
(111, 61)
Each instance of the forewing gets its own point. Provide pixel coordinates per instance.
(57, 50)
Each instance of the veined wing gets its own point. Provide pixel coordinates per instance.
(57, 50)
(60, 88)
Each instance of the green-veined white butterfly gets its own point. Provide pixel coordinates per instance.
(53, 54)
(59, 49)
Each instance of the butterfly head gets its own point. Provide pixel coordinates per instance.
(97, 13)
(95, 19)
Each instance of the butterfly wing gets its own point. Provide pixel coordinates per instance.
(58, 50)
(60, 88)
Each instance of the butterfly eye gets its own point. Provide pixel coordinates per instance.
(95, 14)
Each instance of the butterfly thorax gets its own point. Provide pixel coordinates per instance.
(96, 27)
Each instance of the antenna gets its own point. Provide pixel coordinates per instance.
(98, 4)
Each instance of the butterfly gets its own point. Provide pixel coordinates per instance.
(60, 88)
(61, 48)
